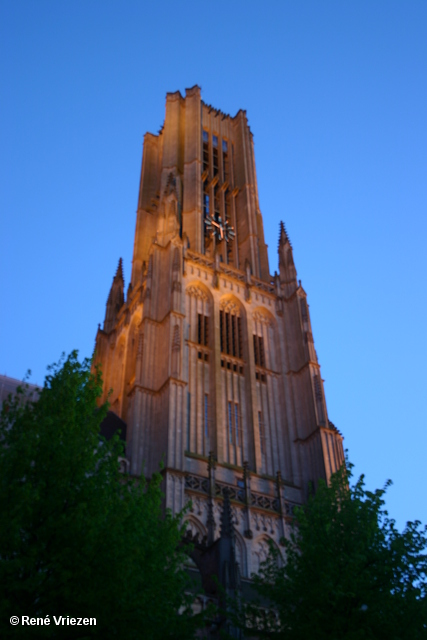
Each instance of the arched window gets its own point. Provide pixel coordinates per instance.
(232, 346)
(265, 348)
(198, 308)
(199, 345)
(231, 329)
(195, 528)
(261, 551)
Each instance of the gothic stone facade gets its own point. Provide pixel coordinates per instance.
(210, 358)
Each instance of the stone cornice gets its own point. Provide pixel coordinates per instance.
(230, 273)
(176, 314)
(292, 372)
(253, 474)
(318, 430)
(155, 392)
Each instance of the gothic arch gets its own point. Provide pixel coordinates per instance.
(264, 314)
(235, 410)
(193, 524)
(230, 302)
(199, 342)
(194, 532)
(233, 327)
(198, 301)
(260, 551)
(198, 289)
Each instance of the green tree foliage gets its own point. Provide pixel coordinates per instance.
(349, 574)
(77, 538)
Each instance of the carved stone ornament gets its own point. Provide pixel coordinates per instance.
(170, 187)
(263, 523)
(260, 554)
(229, 307)
(176, 340)
(176, 286)
(262, 317)
(237, 515)
(196, 292)
(198, 505)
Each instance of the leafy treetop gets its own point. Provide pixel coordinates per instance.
(77, 538)
(349, 574)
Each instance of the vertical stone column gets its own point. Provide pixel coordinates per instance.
(210, 523)
(146, 217)
(192, 201)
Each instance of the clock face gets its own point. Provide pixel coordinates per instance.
(219, 229)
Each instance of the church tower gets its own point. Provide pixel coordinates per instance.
(211, 359)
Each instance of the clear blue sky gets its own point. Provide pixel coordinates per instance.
(336, 96)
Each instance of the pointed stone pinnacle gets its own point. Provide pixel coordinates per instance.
(119, 272)
(283, 235)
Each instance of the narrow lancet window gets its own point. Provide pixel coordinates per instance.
(304, 312)
(231, 334)
(215, 154)
(217, 205)
(206, 204)
(205, 151)
(259, 353)
(225, 162)
(202, 329)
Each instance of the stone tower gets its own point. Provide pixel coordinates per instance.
(210, 358)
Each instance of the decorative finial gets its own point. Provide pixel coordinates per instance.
(246, 472)
(283, 235)
(119, 272)
(211, 461)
